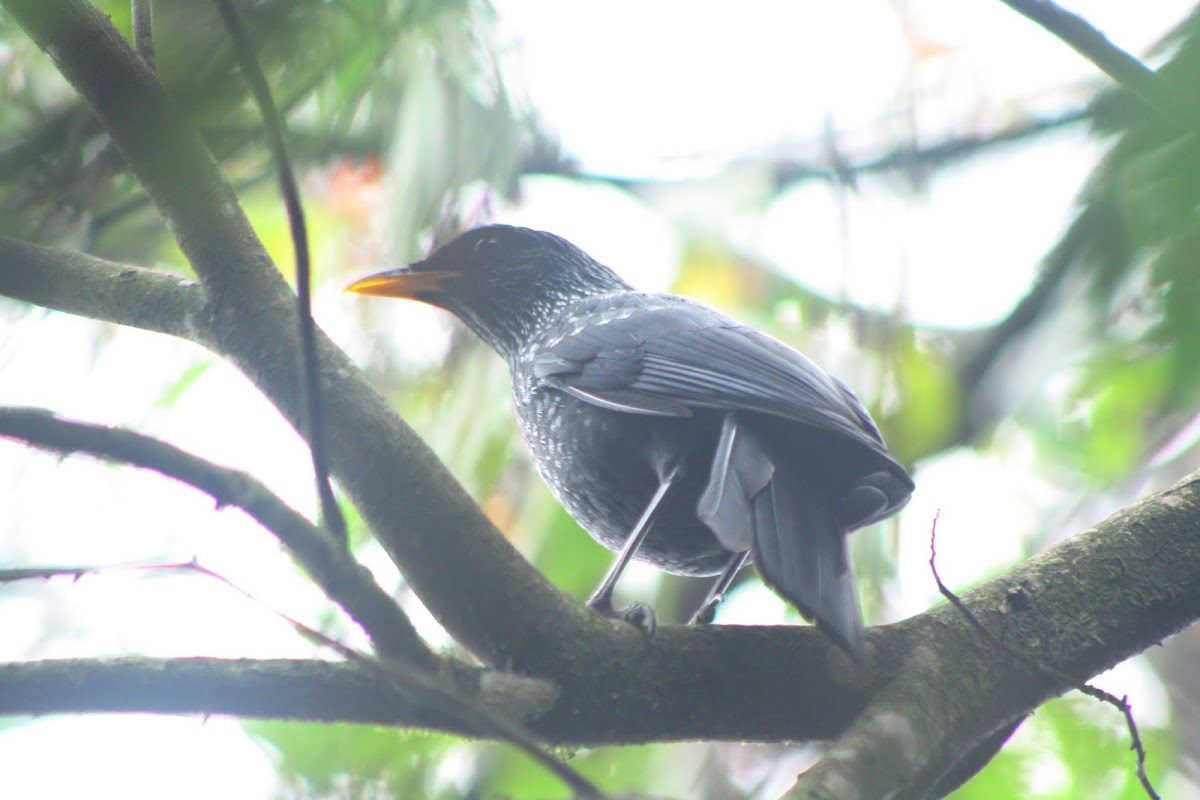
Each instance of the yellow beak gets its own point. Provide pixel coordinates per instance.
(403, 282)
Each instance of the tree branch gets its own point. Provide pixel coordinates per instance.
(345, 581)
(92, 287)
(935, 692)
(286, 689)
(1159, 94)
(1084, 605)
(466, 573)
(545, 157)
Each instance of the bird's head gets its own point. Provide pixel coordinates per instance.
(505, 283)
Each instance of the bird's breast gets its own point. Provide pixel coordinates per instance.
(602, 465)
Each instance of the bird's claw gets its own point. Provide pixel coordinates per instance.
(639, 615)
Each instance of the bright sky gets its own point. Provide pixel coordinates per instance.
(666, 89)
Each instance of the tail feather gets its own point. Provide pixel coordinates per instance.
(799, 545)
(801, 553)
(739, 472)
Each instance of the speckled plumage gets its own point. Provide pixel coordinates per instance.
(613, 388)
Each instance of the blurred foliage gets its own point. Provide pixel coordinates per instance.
(360, 761)
(929, 401)
(365, 761)
(1072, 748)
(413, 79)
(186, 379)
(1140, 256)
(1115, 391)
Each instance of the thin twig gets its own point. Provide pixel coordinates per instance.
(143, 31)
(1121, 704)
(1135, 738)
(310, 373)
(345, 581)
(15, 574)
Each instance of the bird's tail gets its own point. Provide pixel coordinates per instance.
(799, 547)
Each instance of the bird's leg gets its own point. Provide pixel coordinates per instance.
(638, 615)
(708, 609)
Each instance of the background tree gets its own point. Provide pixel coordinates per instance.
(1087, 383)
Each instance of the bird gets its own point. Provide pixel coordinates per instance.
(672, 433)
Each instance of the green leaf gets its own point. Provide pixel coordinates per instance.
(929, 400)
(353, 761)
(186, 379)
(1126, 391)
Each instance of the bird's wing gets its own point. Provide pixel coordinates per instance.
(653, 354)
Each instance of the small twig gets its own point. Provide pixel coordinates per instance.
(953, 598)
(1135, 738)
(143, 31)
(421, 685)
(46, 573)
(75, 573)
(331, 567)
(1035, 665)
(331, 513)
(1155, 91)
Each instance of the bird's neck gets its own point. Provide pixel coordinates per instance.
(512, 325)
(513, 321)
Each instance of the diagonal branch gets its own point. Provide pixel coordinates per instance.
(983, 363)
(1164, 97)
(1031, 661)
(426, 687)
(345, 581)
(1089, 595)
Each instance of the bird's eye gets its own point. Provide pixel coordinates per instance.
(485, 244)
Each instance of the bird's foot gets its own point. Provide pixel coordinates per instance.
(639, 615)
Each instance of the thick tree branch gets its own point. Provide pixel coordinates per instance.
(1082, 606)
(345, 581)
(934, 689)
(472, 579)
(92, 287)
